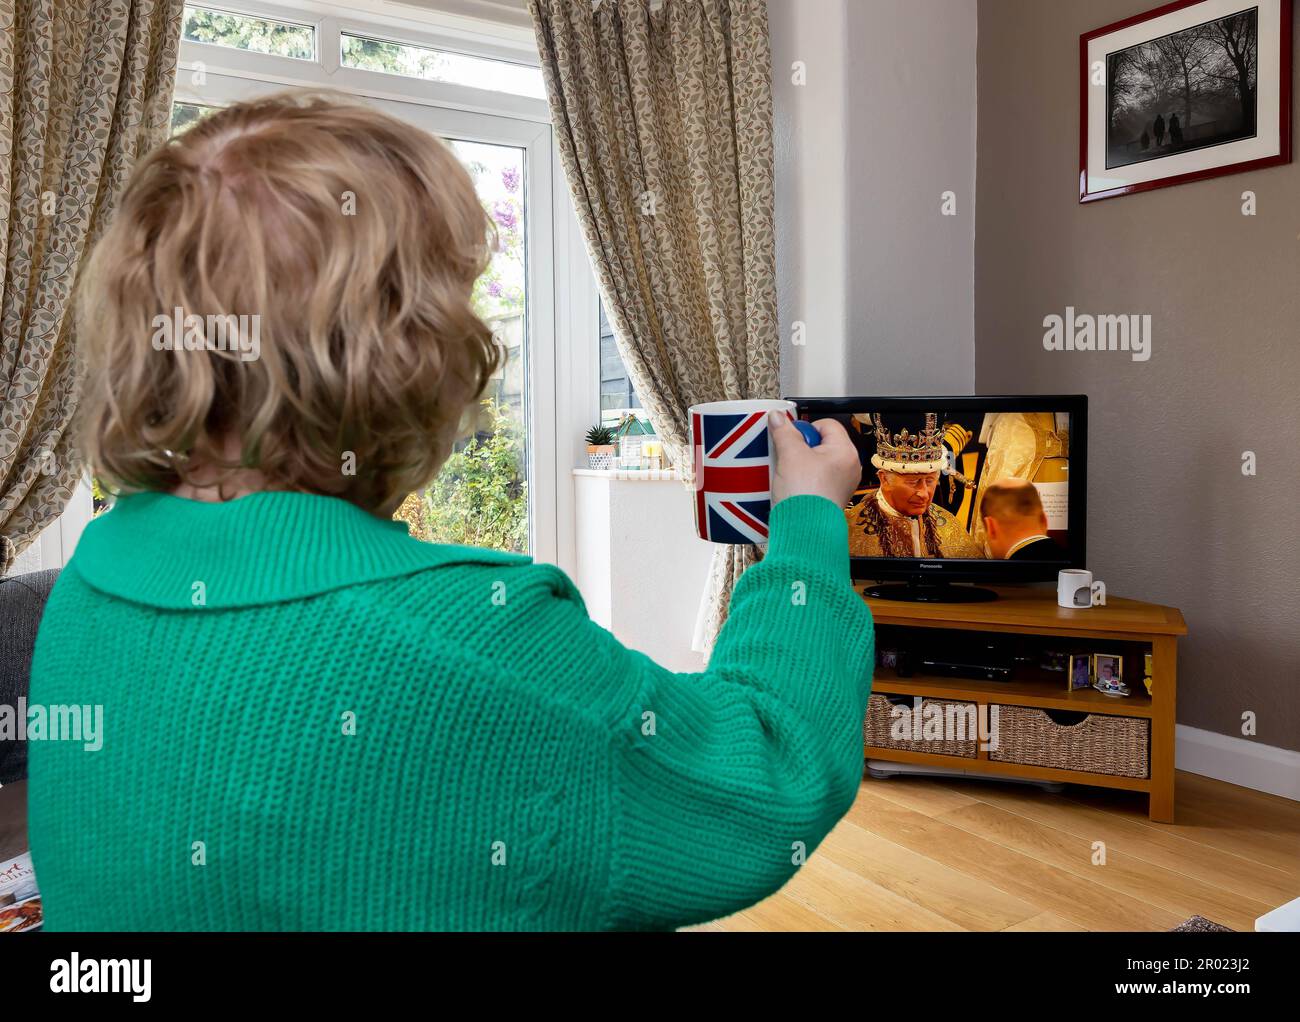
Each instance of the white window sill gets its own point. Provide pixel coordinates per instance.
(645, 475)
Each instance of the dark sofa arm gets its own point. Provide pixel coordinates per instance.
(22, 601)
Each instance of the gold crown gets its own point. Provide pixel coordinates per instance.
(905, 451)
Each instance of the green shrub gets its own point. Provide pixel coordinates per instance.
(480, 497)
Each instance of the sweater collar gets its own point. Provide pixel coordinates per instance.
(269, 547)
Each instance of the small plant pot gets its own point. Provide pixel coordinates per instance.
(601, 458)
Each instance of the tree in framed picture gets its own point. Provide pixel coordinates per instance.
(1191, 90)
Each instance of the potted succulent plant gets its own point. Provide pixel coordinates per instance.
(600, 448)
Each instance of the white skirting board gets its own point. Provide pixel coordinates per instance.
(1238, 761)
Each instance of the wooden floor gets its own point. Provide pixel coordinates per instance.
(924, 854)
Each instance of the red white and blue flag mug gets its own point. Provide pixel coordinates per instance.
(734, 463)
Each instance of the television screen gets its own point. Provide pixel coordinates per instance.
(979, 484)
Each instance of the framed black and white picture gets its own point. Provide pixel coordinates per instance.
(1188, 91)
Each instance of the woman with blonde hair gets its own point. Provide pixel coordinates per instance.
(313, 721)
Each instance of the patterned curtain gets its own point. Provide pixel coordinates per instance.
(663, 116)
(85, 88)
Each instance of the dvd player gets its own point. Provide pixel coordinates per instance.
(982, 658)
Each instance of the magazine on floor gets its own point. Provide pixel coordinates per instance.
(20, 901)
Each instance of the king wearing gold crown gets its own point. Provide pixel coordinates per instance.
(899, 518)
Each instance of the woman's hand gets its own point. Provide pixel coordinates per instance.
(831, 470)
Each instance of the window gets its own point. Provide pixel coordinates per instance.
(185, 115)
(242, 32)
(617, 395)
(480, 497)
(441, 66)
(502, 485)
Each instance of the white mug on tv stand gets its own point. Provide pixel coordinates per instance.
(1076, 590)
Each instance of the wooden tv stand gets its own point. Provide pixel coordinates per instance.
(1033, 611)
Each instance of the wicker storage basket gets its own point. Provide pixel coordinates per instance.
(1098, 744)
(876, 727)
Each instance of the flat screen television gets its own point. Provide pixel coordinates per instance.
(963, 489)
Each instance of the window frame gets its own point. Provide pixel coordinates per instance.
(238, 10)
(459, 52)
(563, 381)
(331, 21)
(570, 402)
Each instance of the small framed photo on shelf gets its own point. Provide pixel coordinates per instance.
(1107, 676)
(1080, 671)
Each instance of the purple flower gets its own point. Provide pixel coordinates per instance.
(510, 178)
(505, 216)
(494, 288)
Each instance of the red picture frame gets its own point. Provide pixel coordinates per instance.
(1283, 156)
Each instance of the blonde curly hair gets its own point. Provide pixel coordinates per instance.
(352, 241)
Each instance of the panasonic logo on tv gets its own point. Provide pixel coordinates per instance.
(931, 565)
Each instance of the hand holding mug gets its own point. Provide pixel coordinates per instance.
(750, 454)
(831, 469)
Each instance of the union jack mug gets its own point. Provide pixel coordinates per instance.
(734, 462)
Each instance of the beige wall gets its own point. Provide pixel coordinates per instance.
(865, 149)
(1171, 517)
(911, 138)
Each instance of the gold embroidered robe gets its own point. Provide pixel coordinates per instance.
(907, 532)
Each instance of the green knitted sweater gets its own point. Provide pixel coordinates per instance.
(312, 721)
